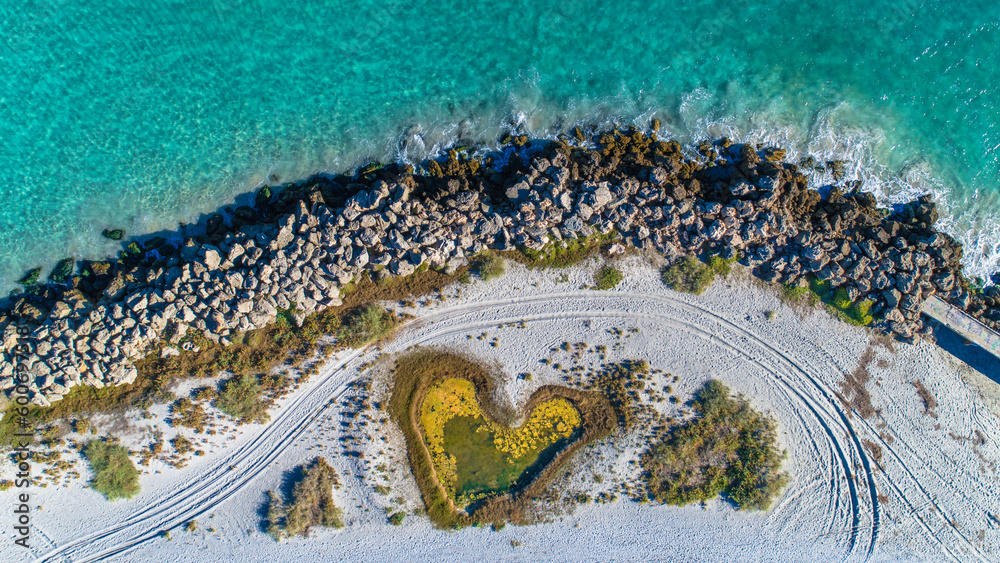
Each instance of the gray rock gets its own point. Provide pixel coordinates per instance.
(602, 196)
(212, 258)
(741, 189)
(905, 282)
(716, 230)
(518, 191)
(401, 268)
(892, 297)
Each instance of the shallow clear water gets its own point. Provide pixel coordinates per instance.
(139, 115)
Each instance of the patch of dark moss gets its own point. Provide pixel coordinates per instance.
(113, 234)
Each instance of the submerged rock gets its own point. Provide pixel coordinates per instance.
(30, 277)
(113, 234)
(62, 271)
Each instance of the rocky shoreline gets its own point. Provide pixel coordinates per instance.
(295, 249)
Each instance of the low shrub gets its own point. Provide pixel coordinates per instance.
(564, 253)
(397, 518)
(689, 275)
(364, 325)
(607, 277)
(114, 474)
(181, 445)
(311, 503)
(242, 398)
(840, 305)
(489, 266)
(189, 414)
(720, 265)
(727, 448)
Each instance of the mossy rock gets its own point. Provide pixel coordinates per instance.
(62, 271)
(775, 155)
(154, 243)
(263, 198)
(434, 169)
(31, 277)
(99, 268)
(371, 167)
(115, 234)
(134, 249)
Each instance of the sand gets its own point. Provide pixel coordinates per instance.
(900, 485)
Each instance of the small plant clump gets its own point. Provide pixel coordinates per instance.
(689, 275)
(189, 414)
(181, 445)
(607, 278)
(242, 398)
(489, 266)
(397, 518)
(564, 253)
(114, 474)
(840, 304)
(727, 448)
(621, 383)
(364, 325)
(311, 504)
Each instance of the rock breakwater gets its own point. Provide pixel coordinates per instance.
(293, 250)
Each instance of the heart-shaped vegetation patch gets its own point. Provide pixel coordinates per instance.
(471, 463)
(474, 456)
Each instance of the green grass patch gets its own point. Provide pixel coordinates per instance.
(243, 399)
(689, 275)
(564, 253)
(607, 277)
(311, 504)
(489, 265)
(728, 448)
(720, 265)
(364, 325)
(794, 295)
(114, 474)
(840, 305)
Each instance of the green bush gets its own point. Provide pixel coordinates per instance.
(727, 448)
(114, 474)
(840, 304)
(365, 324)
(608, 277)
(397, 518)
(242, 398)
(489, 266)
(564, 253)
(312, 503)
(689, 275)
(720, 265)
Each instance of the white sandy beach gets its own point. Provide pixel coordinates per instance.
(931, 497)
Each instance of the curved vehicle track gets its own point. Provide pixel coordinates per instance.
(799, 382)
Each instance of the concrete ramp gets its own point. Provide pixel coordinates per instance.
(963, 324)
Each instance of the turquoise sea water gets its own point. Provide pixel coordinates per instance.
(141, 114)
